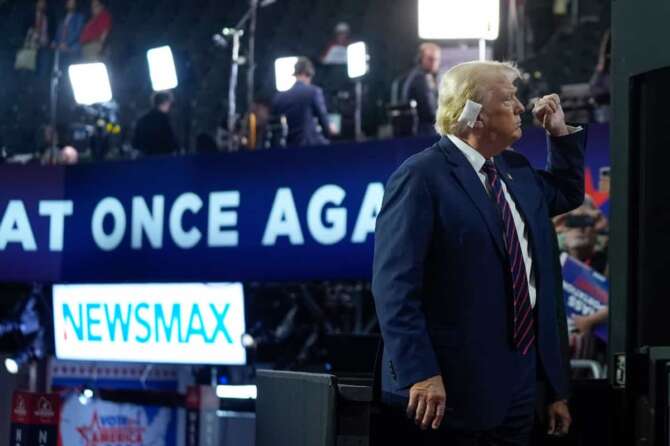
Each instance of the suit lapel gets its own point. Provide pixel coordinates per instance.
(469, 181)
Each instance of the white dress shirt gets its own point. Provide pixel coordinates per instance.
(477, 161)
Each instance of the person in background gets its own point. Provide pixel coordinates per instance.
(40, 27)
(48, 145)
(95, 32)
(336, 51)
(421, 86)
(38, 37)
(153, 131)
(578, 233)
(302, 104)
(69, 31)
(584, 324)
(583, 235)
(68, 156)
(260, 109)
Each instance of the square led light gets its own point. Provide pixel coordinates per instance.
(459, 19)
(357, 60)
(284, 68)
(90, 83)
(162, 69)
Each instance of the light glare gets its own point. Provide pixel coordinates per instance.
(12, 366)
(459, 19)
(284, 68)
(357, 60)
(161, 69)
(90, 83)
(247, 392)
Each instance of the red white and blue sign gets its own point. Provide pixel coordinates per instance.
(89, 421)
(105, 423)
(585, 292)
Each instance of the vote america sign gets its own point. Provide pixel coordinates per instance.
(104, 423)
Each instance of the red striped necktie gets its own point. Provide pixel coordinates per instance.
(523, 335)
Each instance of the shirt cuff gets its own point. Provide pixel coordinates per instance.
(572, 129)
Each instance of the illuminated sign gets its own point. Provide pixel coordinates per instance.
(190, 323)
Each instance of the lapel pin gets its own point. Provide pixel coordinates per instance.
(509, 177)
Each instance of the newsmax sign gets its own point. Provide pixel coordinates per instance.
(190, 323)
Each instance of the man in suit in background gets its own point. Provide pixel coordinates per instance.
(465, 273)
(153, 131)
(303, 104)
(420, 85)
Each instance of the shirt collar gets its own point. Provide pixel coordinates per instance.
(475, 158)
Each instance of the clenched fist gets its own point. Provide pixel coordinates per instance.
(549, 112)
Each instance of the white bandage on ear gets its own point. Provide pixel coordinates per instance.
(470, 113)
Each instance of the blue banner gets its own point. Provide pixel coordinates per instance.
(277, 215)
(585, 292)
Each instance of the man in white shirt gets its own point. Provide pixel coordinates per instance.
(464, 275)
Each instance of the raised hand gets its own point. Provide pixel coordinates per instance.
(548, 111)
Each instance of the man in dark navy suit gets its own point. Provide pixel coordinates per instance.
(464, 275)
(303, 105)
(153, 131)
(420, 85)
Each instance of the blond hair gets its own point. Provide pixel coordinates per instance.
(469, 80)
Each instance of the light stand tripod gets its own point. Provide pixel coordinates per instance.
(236, 34)
(56, 74)
(232, 86)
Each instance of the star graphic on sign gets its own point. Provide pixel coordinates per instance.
(89, 432)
